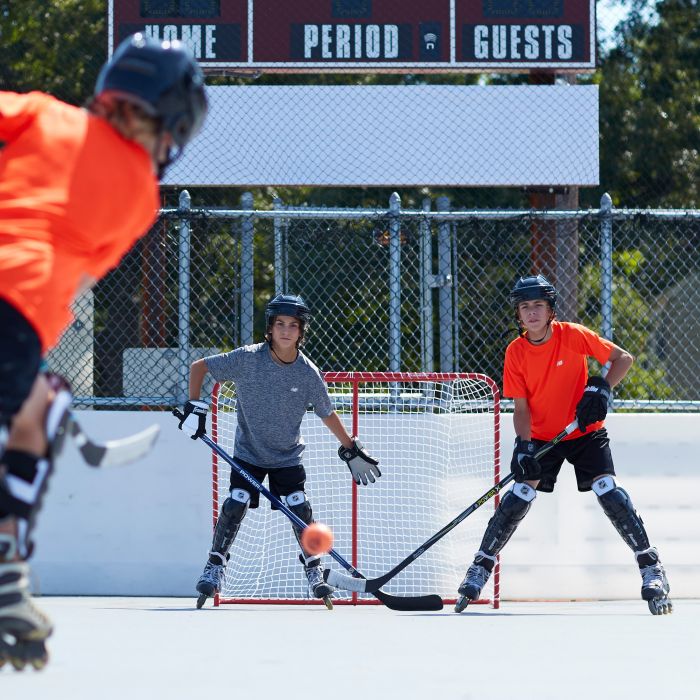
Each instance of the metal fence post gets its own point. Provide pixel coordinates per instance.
(280, 267)
(606, 275)
(454, 288)
(446, 314)
(247, 305)
(426, 291)
(183, 300)
(606, 266)
(395, 283)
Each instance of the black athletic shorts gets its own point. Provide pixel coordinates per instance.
(20, 358)
(282, 481)
(590, 454)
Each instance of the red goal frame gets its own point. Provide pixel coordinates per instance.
(355, 379)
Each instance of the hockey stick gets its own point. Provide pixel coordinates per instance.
(112, 453)
(425, 602)
(362, 585)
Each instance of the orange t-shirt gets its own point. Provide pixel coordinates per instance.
(74, 197)
(552, 376)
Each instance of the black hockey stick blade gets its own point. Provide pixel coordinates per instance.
(364, 585)
(113, 453)
(357, 583)
(415, 603)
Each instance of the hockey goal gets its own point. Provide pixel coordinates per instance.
(436, 436)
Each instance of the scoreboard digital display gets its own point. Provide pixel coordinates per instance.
(187, 9)
(408, 36)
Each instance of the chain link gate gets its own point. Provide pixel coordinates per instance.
(390, 290)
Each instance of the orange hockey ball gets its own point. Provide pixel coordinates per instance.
(317, 538)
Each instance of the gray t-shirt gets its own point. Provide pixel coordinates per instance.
(271, 401)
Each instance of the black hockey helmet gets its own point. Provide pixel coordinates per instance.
(163, 78)
(287, 305)
(533, 287)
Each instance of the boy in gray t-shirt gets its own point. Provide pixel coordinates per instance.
(275, 384)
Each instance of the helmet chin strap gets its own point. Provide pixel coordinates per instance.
(539, 340)
(524, 333)
(174, 153)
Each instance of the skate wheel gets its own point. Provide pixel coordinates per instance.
(18, 663)
(39, 664)
(4, 656)
(201, 600)
(36, 654)
(462, 603)
(26, 653)
(660, 606)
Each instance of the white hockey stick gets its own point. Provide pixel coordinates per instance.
(62, 423)
(113, 453)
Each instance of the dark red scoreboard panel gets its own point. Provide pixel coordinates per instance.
(526, 31)
(216, 30)
(355, 31)
(397, 35)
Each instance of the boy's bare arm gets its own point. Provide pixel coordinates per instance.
(521, 419)
(198, 371)
(335, 425)
(620, 363)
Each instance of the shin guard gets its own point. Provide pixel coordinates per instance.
(26, 480)
(512, 509)
(617, 505)
(232, 513)
(22, 491)
(302, 509)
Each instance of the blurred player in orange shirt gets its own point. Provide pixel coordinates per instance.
(546, 374)
(77, 188)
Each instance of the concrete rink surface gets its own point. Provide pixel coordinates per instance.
(134, 648)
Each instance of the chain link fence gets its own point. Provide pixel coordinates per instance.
(390, 289)
(648, 75)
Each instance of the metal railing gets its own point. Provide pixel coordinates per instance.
(391, 290)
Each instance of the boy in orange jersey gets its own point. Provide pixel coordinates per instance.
(546, 373)
(77, 188)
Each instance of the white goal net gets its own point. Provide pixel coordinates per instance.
(436, 438)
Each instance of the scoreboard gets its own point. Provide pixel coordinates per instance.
(408, 36)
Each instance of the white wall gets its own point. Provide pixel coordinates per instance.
(145, 529)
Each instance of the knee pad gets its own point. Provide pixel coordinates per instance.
(512, 509)
(236, 506)
(617, 505)
(300, 506)
(232, 513)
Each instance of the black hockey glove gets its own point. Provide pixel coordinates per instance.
(362, 466)
(194, 419)
(524, 465)
(593, 405)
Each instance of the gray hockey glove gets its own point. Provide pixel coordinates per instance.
(524, 465)
(593, 405)
(362, 466)
(194, 419)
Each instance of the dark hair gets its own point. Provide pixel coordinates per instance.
(287, 305)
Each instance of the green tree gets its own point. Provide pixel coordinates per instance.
(57, 46)
(650, 107)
